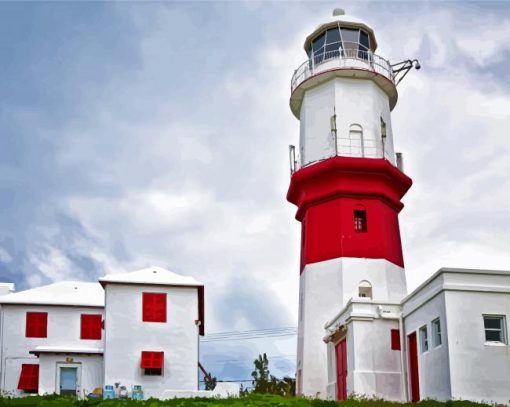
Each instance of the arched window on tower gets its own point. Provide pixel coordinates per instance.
(356, 141)
(365, 289)
(360, 219)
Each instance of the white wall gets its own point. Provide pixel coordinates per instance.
(90, 377)
(63, 330)
(325, 288)
(127, 336)
(433, 365)
(356, 101)
(375, 368)
(316, 141)
(479, 371)
(321, 289)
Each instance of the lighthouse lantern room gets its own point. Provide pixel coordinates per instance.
(347, 183)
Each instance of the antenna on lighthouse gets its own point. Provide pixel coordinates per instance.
(338, 12)
(400, 69)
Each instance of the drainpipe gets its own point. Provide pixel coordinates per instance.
(198, 323)
(403, 351)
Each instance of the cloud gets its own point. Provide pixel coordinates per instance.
(5, 257)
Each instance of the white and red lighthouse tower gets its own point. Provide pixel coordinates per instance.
(346, 184)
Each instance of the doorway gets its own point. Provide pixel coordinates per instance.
(341, 370)
(414, 378)
(68, 379)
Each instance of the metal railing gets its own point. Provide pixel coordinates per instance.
(345, 147)
(344, 58)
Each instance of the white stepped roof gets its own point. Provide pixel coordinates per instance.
(72, 293)
(151, 275)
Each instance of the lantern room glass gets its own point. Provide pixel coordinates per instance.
(336, 42)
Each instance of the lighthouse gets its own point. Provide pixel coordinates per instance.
(347, 183)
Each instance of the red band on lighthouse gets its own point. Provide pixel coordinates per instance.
(349, 207)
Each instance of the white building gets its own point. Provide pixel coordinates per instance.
(139, 328)
(153, 320)
(51, 339)
(359, 332)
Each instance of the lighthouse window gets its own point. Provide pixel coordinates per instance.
(333, 42)
(350, 39)
(436, 332)
(363, 45)
(332, 35)
(365, 289)
(495, 329)
(424, 339)
(360, 220)
(318, 48)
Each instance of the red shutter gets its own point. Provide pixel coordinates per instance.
(91, 326)
(395, 339)
(154, 307)
(36, 325)
(152, 360)
(29, 377)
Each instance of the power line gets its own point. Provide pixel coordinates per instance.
(255, 330)
(216, 362)
(250, 334)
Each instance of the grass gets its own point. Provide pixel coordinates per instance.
(252, 400)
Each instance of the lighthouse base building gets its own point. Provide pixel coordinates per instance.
(446, 340)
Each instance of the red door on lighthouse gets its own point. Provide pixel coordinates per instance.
(341, 370)
(413, 368)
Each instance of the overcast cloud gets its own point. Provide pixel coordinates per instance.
(137, 134)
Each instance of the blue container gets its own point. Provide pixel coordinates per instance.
(108, 392)
(137, 392)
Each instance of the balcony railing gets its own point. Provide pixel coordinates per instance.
(347, 147)
(350, 57)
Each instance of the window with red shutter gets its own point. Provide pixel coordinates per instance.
(90, 326)
(154, 307)
(36, 325)
(395, 339)
(152, 363)
(29, 378)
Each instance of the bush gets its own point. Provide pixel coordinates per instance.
(250, 400)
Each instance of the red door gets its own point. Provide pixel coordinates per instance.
(413, 368)
(341, 370)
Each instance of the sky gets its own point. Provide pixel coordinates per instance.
(156, 133)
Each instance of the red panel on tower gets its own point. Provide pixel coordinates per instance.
(349, 208)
